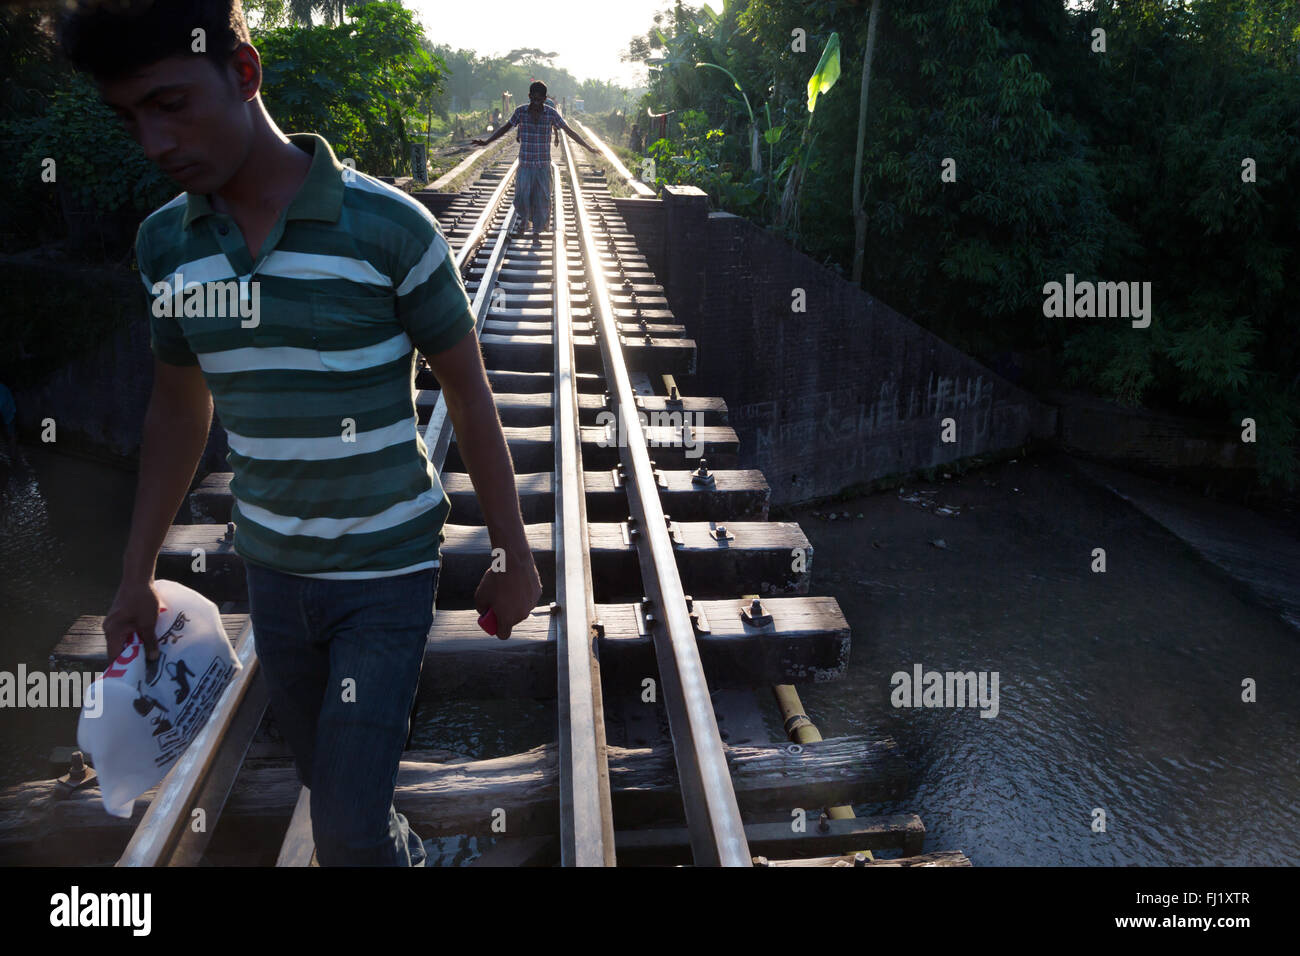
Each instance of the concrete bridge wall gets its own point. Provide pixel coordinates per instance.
(843, 393)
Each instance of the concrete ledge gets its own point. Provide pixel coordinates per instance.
(1259, 558)
(638, 188)
(1097, 428)
(468, 168)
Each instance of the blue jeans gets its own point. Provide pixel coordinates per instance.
(533, 195)
(342, 663)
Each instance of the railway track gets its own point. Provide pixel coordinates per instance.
(657, 563)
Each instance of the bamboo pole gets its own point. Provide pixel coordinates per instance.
(800, 729)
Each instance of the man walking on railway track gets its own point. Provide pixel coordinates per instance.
(339, 513)
(533, 182)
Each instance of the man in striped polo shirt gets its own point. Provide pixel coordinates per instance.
(294, 291)
(533, 182)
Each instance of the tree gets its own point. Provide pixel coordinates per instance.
(859, 213)
(360, 84)
(1002, 150)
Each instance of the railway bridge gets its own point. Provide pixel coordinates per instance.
(659, 397)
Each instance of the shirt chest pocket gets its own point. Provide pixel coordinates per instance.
(355, 332)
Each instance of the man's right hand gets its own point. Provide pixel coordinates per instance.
(478, 142)
(135, 610)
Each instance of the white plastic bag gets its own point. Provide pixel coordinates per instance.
(140, 716)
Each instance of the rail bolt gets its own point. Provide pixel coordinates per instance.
(755, 615)
(79, 774)
(702, 475)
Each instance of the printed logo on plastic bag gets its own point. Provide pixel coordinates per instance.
(141, 715)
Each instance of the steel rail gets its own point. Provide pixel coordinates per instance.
(482, 224)
(447, 178)
(586, 811)
(438, 430)
(708, 798)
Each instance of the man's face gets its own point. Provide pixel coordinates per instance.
(190, 119)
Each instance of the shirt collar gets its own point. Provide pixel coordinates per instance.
(321, 194)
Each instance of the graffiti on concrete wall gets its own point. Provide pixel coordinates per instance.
(841, 416)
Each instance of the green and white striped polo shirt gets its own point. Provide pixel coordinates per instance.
(314, 377)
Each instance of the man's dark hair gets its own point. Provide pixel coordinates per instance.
(537, 85)
(111, 39)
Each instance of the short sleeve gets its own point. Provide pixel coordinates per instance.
(165, 336)
(432, 305)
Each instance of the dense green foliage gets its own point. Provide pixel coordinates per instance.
(364, 85)
(66, 158)
(1122, 165)
(111, 176)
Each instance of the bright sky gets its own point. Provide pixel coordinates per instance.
(588, 35)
